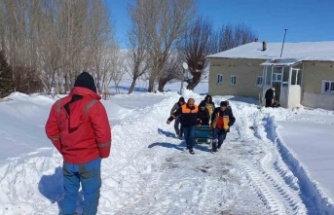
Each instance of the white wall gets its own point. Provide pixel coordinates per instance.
(294, 96)
(284, 97)
(325, 101)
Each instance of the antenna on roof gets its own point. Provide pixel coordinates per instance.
(285, 30)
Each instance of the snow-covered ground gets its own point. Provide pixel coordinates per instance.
(274, 161)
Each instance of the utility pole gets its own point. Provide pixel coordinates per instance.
(285, 30)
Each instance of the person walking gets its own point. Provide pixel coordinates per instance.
(228, 105)
(222, 120)
(188, 113)
(208, 103)
(78, 127)
(177, 122)
(203, 115)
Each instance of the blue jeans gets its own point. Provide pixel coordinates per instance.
(189, 136)
(219, 136)
(89, 174)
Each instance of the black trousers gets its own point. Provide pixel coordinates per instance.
(268, 102)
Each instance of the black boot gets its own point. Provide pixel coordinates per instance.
(214, 145)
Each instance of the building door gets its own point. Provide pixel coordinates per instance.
(276, 81)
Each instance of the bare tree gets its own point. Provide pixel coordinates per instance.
(230, 36)
(117, 72)
(138, 53)
(160, 24)
(201, 40)
(2, 27)
(52, 41)
(6, 81)
(102, 43)
(113, 67)
(139, 65)
(195, 45)
(172, 71)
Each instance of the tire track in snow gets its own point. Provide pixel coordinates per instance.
(269, 175)
(315, 201)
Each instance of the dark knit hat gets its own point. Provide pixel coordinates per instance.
(223, 104)
(85, 80)
(181, 99)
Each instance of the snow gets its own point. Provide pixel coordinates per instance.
(322, 51)
(274, 161)
(280, 62)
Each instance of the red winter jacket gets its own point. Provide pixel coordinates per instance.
(78, 126)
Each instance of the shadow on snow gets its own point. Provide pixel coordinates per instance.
(51, 186)
(181, 146)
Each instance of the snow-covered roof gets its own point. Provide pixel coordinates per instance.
(281, 62)
(320, 51)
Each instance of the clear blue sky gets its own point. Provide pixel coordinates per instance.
(306, 20)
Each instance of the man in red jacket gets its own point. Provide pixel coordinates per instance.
(78, 127)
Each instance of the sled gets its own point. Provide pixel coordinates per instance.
(203, 134)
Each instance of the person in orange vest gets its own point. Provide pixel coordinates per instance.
(79, 128)
(189, 120)
(222, 119)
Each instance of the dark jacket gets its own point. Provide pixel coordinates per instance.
(270, 93)
(188, 115)
(204, 116)
(224, 118)
(176, 106)
(208, 103)
(269, 96)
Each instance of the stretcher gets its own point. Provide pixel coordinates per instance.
(203, 134)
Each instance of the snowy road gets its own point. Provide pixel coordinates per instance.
(150, 172)
(245, 177)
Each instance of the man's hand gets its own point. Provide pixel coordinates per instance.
(168, 122)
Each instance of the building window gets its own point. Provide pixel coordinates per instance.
(286, 73)
(277, 74)
(296, 77)
(327, 86)
(268, 75)
(219, 79)
(259, 81)
(233, 80)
